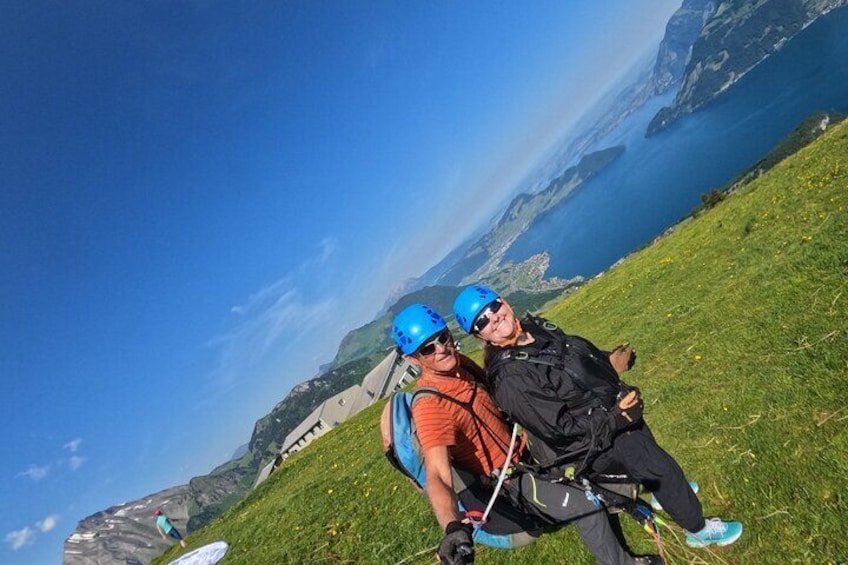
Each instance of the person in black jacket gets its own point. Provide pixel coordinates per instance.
(569, 396)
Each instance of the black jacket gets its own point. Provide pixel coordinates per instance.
(561, 388)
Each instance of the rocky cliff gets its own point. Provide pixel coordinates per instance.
(127, 533)
(736, 38)
(682, 30)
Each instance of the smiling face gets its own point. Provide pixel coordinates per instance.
(437, 355)
(502, 327)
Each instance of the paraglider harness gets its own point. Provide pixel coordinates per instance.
(562, 353)
(618, 493)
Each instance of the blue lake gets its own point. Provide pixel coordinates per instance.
(658, 181)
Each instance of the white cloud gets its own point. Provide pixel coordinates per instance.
(328, 247)
(257, 299)
(75, 462)
(277, 325)
(274, 320)
(20, 538)
(48, 523)
(35, 472)
(26, 536)
(285, 286)
(73, 445)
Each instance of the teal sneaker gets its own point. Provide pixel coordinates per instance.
(716, 532)
(655, 504)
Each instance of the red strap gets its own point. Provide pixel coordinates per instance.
(474, 517)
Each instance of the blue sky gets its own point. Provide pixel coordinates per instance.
(199, 199)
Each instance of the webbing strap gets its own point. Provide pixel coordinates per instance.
(502, 475)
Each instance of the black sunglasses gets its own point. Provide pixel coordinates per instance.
(430, 347)
(483, 319)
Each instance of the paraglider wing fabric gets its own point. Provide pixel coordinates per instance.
(206, 555)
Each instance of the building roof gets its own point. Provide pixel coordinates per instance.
(264, 474)
(332, 412)
(375, 383)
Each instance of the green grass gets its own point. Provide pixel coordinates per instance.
(740, 319)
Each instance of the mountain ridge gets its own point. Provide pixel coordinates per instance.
(735, 39)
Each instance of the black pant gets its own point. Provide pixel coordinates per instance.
(558, 503)
(636, 453)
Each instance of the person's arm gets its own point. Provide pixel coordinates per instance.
(457, 545)
(440, 485)
(161, 533)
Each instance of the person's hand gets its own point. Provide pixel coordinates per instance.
(457, 547)
(629, 409)
(630, 399)
(623, 358)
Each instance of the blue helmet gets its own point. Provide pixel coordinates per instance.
(470, 303)
(414, 325)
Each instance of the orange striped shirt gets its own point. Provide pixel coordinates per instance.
(477, 439)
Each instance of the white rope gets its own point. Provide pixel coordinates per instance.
(502, 475)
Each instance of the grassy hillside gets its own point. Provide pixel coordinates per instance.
(740, 318)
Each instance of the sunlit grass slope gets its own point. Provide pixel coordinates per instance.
(740, 319)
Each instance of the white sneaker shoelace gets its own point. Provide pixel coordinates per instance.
(713, 526)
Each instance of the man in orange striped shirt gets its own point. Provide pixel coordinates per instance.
(469, 431)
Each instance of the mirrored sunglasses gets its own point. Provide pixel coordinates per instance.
(484, 318)
(429, 348)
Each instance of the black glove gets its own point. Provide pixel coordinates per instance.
(457, 547)
(631, 415)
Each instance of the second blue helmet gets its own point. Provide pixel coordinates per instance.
(414, 325)
(470, 303)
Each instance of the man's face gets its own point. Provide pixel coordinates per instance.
(496, 323)
(437, 355)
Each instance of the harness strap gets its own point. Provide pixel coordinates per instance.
(473, 516)
(478, 422)
(546, 470)
(502, 476)
(547, 357)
